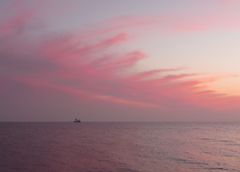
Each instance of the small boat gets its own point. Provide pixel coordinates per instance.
(77, 120)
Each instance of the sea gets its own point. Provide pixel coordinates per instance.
(119, 147)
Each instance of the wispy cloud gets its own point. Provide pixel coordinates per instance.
(91, 67)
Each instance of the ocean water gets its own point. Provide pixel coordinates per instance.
(119, 147)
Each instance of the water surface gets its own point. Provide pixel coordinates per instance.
(119, 147)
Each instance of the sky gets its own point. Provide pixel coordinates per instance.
(109, 60)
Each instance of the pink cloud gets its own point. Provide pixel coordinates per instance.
(15, 24)
(93, 69)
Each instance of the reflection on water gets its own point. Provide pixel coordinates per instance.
(119, 147)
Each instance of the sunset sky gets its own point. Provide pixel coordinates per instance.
(120, 60)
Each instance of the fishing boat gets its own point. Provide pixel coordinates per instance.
(77, 120)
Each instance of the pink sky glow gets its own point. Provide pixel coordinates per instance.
(107, 71)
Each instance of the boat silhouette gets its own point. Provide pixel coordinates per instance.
(77, 120)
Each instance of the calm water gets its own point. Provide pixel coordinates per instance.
(119, 147)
